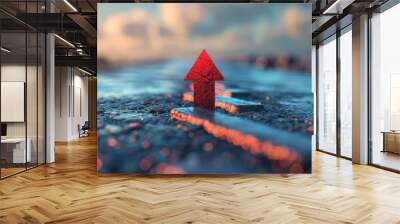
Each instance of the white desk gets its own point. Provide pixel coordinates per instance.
(19, 155)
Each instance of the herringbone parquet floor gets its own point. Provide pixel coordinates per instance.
(70, 191)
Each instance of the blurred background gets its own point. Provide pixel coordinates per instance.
(145, 50)
(263, 34)
(157, 44)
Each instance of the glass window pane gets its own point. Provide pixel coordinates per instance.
(327, 96)
(31, 88)
(22, 90)
(13, 86)
(385, 114)
(41, 98)
(346, 94)
(31, 97)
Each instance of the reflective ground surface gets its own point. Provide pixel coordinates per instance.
(138, 135)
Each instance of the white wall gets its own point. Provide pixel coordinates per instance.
(71, 94)
(62, 82)
(13, 100)
(12, 73)
(81, 94)
(33, 126)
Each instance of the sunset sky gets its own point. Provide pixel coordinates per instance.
(146, 32)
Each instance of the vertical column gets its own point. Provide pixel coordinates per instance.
(360, 90)
(338, 91)
(92, 102)
(50, 92)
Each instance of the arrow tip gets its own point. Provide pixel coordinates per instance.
(204, 68)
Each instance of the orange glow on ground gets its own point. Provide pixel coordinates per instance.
(220, 92)
(285, 157)
(99, 164)
(145, 144)
(228, 107)
(208, 147)
(310, 128)
(167, 169)
(113, 142)
(146, 163)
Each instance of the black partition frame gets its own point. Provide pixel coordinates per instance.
(339, 32)
(39, 54)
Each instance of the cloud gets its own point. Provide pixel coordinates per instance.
(181, 19)
(293, 21)
(123, 33)
(165, 31)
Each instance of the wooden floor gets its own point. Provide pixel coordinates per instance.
(70, 191)
(5, 172)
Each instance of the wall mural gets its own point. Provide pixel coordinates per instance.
(204, 88)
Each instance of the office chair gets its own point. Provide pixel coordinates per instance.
(84, 130)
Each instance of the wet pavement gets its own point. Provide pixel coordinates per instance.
(138, 135)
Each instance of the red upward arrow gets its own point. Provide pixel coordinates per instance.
(204, 73)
